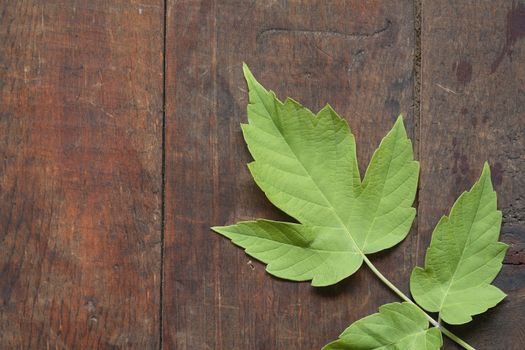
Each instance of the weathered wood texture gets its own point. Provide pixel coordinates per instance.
(80, 176)
(357, 56)
(81, 102)
(472, 110)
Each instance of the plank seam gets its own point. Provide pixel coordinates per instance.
(163, 177)
(416, 105)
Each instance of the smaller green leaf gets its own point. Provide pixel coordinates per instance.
(464, 257)
(397, 326)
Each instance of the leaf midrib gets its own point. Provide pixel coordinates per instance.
(403, 338)
(311, 177)
(331, 206)
(464, 247)
(382, 189)
(296, 246)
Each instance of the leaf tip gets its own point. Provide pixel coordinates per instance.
(247, 74)
(316, 283)
(485, 176)
(219, 229)
(486, 168)
(251, 166)
(399, 125)
(329, 107)
(400, 121)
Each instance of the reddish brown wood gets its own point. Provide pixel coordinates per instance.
(355, 55)
(473, 109)
(81, 87)
(80, 174)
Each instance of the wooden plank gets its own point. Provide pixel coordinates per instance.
(473, 109)
(80, 176)
(354, 55)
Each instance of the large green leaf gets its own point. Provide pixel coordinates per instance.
(397, 326)
(306, 165)
(464, 257)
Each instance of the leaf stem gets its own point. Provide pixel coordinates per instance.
(407, 299)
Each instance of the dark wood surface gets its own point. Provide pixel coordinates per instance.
(358, 57)
(88, 257)
(80, 174)
(472, 110)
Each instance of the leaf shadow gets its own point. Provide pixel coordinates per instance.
(470, 332)
(345, 286)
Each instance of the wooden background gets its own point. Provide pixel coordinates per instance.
(120, 146)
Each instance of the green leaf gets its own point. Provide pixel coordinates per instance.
(397, 326)
(464, 257)
(293, 252)
(306, 165)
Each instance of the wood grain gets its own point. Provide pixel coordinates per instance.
(356, 56)
(81, 129)
(473, 109)
(80, 174)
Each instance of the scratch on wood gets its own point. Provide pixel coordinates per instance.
(447, 89)
(329, 32)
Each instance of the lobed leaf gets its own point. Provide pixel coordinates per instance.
(306, 165)
(464, 257)
(397, 326)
